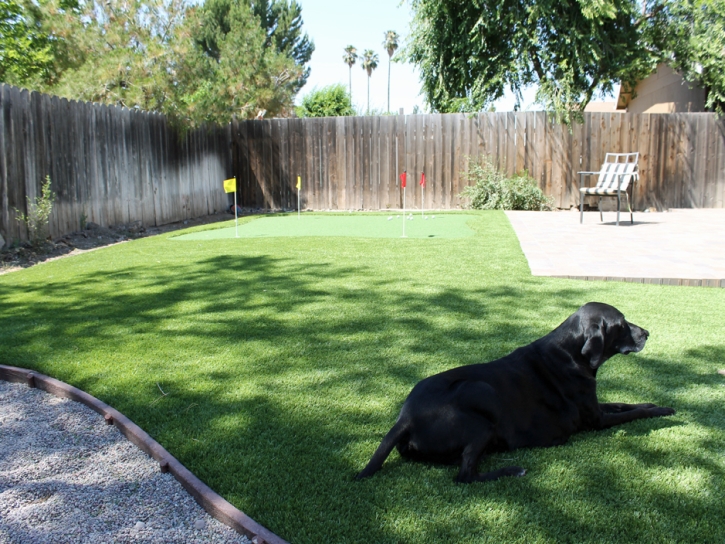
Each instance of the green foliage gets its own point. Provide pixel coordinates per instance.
(194, 63)
(281, 22)
(230, 71)
(698, 43)
(25, 52)
(329, 101)
(470, 53)
(492, 190)
(38, 214)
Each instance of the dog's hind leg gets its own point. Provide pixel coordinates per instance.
(619, 407)
(469, 467)
(395, 435)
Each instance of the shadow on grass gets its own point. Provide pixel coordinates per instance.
(281, 378)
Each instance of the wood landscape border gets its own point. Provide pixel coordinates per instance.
(214, 504)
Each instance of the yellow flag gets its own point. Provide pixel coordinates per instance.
(230, 185)
(299, 183)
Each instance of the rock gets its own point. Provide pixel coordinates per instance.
(139, 525)
(200, 525)
(92, 226)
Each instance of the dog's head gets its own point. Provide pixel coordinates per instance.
(604, 333)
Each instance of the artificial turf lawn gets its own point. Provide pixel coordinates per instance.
(286, 360)
(354, 225)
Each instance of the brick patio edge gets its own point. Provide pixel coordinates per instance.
(213, 503)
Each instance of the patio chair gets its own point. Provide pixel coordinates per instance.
(617, 174)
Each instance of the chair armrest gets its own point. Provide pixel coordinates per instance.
(588, 172)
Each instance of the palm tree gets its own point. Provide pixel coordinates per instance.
(350, 57)
(370, 62)
(390, 44)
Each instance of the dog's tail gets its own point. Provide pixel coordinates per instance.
(394, 436)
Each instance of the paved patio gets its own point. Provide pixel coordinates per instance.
(680, 247)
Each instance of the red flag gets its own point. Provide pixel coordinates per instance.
(422, 179)
(402, 178)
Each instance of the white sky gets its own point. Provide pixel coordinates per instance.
(335, 24)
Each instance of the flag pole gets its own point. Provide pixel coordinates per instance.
(403, 177)
(422, 194)
(299, 189)
(236, 218)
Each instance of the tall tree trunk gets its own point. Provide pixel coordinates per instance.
(349, 86)
(390, 61)
(368, 95)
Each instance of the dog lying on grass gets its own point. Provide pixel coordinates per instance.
(537, 396)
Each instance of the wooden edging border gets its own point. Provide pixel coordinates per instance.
(652, 281)
(214, 504)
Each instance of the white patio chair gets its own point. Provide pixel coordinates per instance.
(617, 174)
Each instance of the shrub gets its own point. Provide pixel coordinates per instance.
(38, 214)
(490, 189)
(330, 101)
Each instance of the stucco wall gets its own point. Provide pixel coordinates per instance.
(665, 92)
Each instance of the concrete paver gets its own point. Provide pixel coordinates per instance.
(678, 244)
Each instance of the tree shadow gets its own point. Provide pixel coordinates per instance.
(281, 377)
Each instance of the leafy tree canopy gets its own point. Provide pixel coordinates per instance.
(281, 21)
(698, 43)
(25, 52)
(330, 101)
(195, 63)
(469, 53)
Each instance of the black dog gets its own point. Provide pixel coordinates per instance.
(539, 395)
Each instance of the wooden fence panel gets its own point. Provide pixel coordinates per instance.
(112, 165)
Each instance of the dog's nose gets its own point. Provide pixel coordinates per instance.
(645, 332)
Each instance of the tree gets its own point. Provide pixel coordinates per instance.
(350, 57)
(25, 51)
(370, 62)
(698, 47)
(470, 52)
(390, 44)
(194, 64)
(281, 21)
(330, 101)
(232, 71)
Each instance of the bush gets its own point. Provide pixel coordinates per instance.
(330, 101)
(492, 190)
(38, 214)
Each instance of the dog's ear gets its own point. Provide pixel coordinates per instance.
(593, 348)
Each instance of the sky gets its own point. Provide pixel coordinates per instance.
(335, 24)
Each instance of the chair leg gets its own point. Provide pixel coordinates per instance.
(581, 199)
(601, 215)
(619, 200)
(631, 215)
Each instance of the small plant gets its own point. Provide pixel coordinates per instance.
(38, 214)
(492, 190)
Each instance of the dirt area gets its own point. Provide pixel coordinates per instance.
(90, 238)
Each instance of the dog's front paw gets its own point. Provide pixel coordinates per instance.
(661, 411)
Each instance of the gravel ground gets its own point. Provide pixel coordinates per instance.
(66, 476)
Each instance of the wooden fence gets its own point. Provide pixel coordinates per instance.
(107, 164)
(355, 162)
(114, 166)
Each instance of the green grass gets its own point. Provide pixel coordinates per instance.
(286, 360)
(356, 225)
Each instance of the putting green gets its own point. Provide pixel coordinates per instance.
(352, 225)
